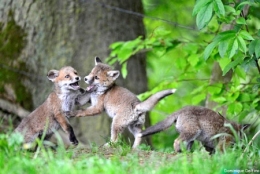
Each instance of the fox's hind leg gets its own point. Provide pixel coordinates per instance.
(116, 129)
(187, 138)
(209, 146)
(135, 129)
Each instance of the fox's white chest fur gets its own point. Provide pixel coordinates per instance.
(68, 101)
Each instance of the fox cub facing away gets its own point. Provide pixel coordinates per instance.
(198, 123)
(51, 112)
(119, 103)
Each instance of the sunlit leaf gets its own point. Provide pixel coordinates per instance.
(223, 62)
(251, 47)
(215, 88)
(241, 20)
(246, 35)
(124, 70)
(198, 98)
(219, 99)
(219, 7)
(209, 50)
(232, 64)
(242, 44)
(204, 15)
(232, 48)
(199, 4)
(257, 48)
(222, 48)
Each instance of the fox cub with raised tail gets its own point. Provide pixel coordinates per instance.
(50, 115)
(120, 104)
(198, 123)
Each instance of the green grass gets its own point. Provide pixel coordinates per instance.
(119, 159)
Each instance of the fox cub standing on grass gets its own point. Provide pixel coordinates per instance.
(51, 113)
(198, 123)
(119, 103)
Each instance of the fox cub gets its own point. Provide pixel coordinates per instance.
(119, 103)
(51, 112)
(198, 123)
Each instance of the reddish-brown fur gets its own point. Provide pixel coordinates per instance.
(197, 123)
(50, 116)
(119, 103)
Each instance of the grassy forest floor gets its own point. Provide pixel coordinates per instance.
(121, 158)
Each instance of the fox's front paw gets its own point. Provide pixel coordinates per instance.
(69, 114)
(74, 140)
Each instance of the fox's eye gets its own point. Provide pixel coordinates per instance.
(67, 76)
(96, 77)
(76, 73)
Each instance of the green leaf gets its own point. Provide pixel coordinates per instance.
(124, 70)
(241, 21)
(225, 36)
(215, 89)
(244, 97)
(223, 62)
(234, 108)
(258, 32)
(219, 99)
(240, 73)
(232, 97)
(232, 48)
(204, 16)
(199, 4)
(198, 98)
(162, 32)
(198, 89)
(232, 64)
(115, 45)
(219, 7)
(257, 48)
(242, 4)
(246, 35)
(209, 49)
(251, 47)
(229, 9)
(193, 59)
(242, 44)
(222, 48)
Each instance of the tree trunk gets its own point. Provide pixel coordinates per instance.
(63, 32)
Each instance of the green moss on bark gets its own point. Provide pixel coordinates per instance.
(12, 42)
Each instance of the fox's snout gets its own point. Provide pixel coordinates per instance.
(88, 79)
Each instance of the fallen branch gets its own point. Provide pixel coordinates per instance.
(13, 108)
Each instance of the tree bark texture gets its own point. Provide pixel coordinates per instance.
(56, 33)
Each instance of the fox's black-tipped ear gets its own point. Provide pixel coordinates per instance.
(52, 74)
(97, 60)
(245, 126)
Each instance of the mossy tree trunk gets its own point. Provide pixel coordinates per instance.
(51, 34)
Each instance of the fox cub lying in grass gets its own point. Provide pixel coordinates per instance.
(198, 123)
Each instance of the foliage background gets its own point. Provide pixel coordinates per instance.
(184, 40)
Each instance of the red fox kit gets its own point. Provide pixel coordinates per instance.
(197, 123)
(119, 103)
(51, 112)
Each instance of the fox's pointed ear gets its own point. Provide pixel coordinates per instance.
(245, 126)
(52, 74)
(97, 60)
(113, 74)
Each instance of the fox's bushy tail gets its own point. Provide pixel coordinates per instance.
(170, 120)
(148, 104)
